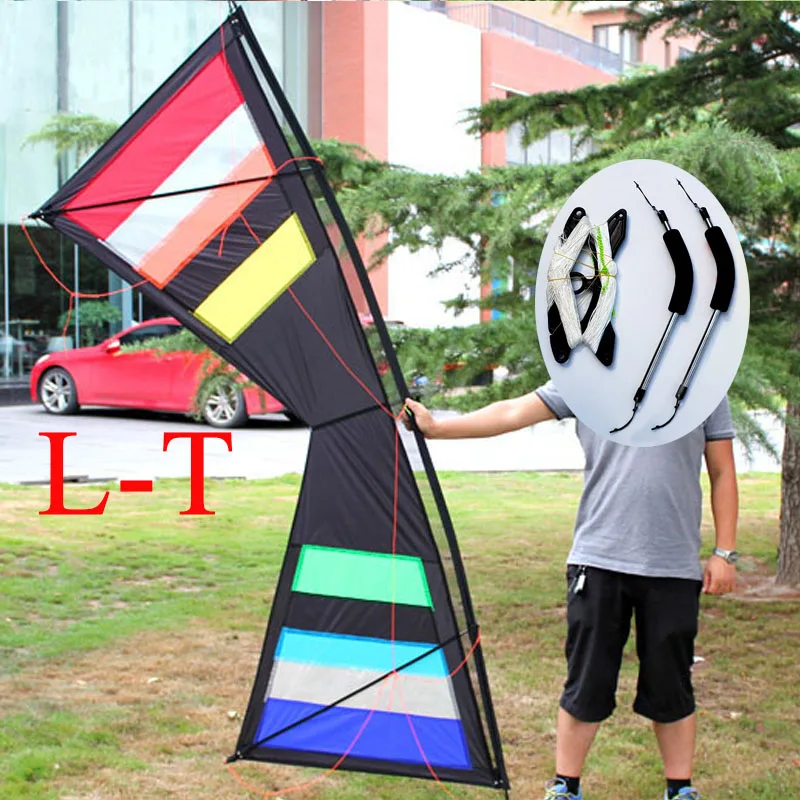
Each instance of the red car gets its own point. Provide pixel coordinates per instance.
(108, 375)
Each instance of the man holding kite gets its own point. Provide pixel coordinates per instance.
(635, 554)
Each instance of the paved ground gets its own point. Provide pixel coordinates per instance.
(112, 445)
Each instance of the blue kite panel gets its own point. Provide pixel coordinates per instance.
(387, 736)
(359, 652)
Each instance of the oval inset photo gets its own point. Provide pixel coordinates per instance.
(642, 302)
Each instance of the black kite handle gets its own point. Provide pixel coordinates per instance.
(684, 275)
(726, 271)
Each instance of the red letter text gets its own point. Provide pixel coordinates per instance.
(57, 479)
(197, 506)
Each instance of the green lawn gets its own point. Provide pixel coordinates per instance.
(128, 645)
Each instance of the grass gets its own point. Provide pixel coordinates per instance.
(128, 645)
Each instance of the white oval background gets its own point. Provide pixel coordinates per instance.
(602, 397)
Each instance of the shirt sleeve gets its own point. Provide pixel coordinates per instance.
(551, 397)
(720, 424)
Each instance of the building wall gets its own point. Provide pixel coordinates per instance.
(354, 97)
(398, 79)
(577, 21)
(581, 19)
(515, 66)
(137, 45)
(28, 99)
(430, 87)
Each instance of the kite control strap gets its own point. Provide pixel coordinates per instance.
(678, 304)
(566, 330)
(720, 300)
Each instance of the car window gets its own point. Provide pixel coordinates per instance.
(148, 332)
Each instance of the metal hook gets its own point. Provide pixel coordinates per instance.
(687, 194)
(703, 211)
(636, 184)
(662, 215)
(664, 424)
(622, 427)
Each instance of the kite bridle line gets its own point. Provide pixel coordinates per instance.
(473, 631)
(73, 295)
(299, 787)
(475, 634)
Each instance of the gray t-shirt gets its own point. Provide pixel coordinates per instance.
(641, 506)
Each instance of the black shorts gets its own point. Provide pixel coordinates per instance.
(598, 625)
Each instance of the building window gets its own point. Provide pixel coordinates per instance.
(37, 305)
(684, 52)
(558, 147)
(626, 43)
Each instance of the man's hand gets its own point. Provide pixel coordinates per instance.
(503, 416)
(719, 576)
(424, 419)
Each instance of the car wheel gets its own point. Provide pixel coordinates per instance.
(225, 407)
(57, 392)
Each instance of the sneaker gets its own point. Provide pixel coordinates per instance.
(556, 789)
(687, 793)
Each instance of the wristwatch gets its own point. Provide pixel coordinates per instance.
(731, 556)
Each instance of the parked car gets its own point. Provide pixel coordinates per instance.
(109, 375)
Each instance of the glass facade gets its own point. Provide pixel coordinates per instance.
(100, 58)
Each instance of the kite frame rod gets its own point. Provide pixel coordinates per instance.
(239, 754)
(397, 374)
(174, 193)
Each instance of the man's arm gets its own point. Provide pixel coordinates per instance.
(720, 577)
(501, 417)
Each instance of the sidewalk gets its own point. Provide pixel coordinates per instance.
(112, 445)
(554, 446)
(14, 391)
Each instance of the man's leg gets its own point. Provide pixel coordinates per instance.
(598, 624)
(666, 612)
(573, 740)
(676, 743)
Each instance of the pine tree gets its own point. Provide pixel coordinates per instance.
(729, 114)
(746, 72)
